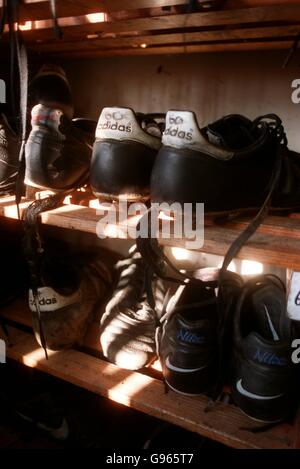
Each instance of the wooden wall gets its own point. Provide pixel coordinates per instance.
(212, 85)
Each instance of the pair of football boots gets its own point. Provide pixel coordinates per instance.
(59, 148)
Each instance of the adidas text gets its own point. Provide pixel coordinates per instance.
(115, 126)
(175, 132)
(44, 301)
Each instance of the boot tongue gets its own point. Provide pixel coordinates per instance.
(231, 132)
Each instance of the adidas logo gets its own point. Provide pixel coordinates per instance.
(44, 301)
(175, 132)
(115, 126)
(175, 120)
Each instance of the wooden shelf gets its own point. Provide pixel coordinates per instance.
(143, 27)
(276, 242)
(225, 423)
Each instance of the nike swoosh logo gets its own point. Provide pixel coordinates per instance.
(181, 370)
(274, 333)
(246, 393)
(60, 433)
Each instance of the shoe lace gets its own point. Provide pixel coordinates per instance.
(275, 125)
(57, 30)
(157, 260)
(4, 328)
(133, 287)
(23, 71)
(33, 250)
(277, 129)
(152, 121)
(18, 51)
(192, 6)
(292, 51)
(7, 184)
(3, 17)
(153, 253)
(17, 54)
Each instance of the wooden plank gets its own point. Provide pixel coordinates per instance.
(32, 10)
(40, 10)
(278, 13)
(166, 50)
(118, 5)
(278, 226)
(225, 423)
(266, 249)
(296, 438)
(232, 4)
(277, 242)
(175, 38)
(262, 247)
(18, 312)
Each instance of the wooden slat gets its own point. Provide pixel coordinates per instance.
(279, 13)
(83, 218)
(32, 10)
(224, 423)
(17, 312)
(118, 5)
(233, 4)
(277, 226)
(40, 10)
(163, 50)
(176, 38)
(277, 242)
(263, 248)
